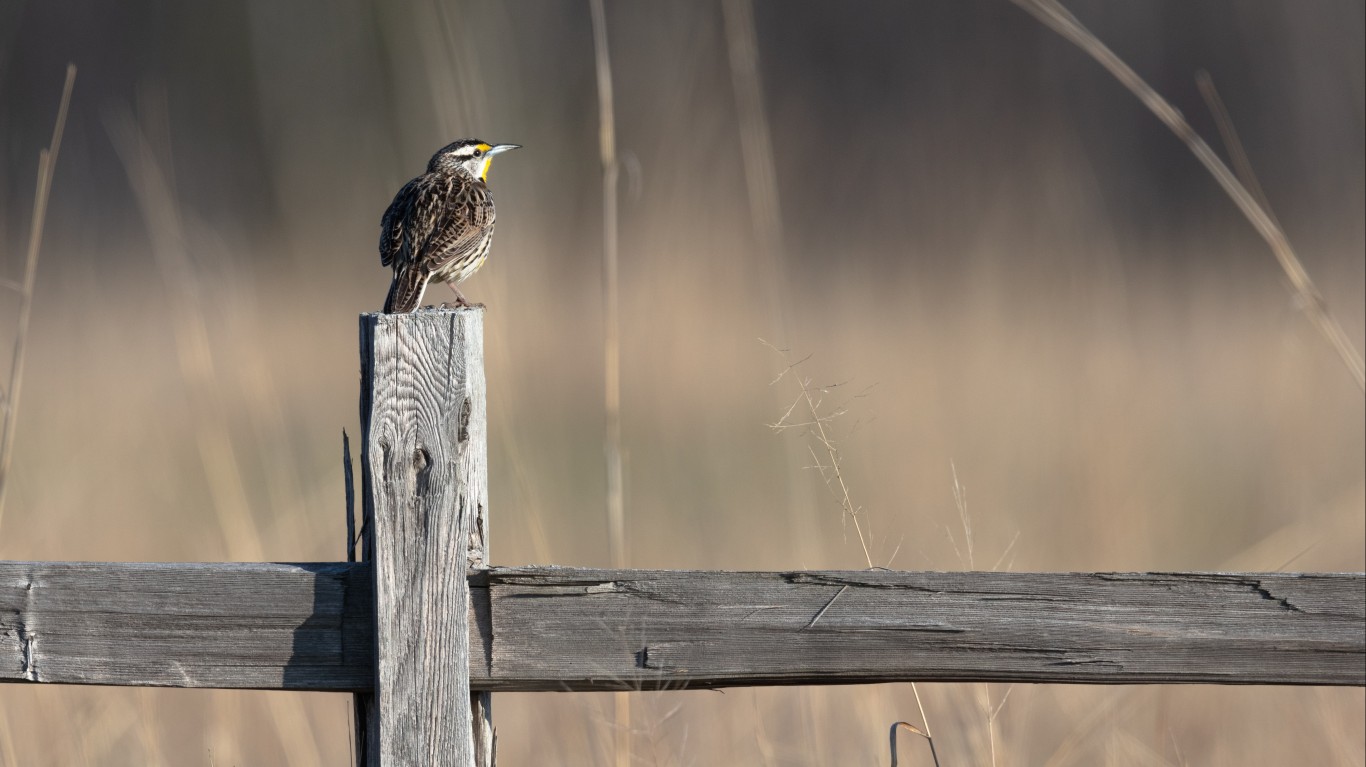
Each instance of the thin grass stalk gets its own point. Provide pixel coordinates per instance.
(453, 56)
(607, 144)
(47, 163)
(765, 210)
(1102, 712)
(831, 472)
(150, 176)
(960, 500)
(761, 185)
(834, 479)
(929, 736)
(1053, 15)
(756, 154)
(616, 514)
(1232, 143)
(991, 721)
(840, 487)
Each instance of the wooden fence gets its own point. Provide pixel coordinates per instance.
(422, 631)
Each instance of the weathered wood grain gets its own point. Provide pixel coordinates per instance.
(586, 629)
(309, 627)
(425, 453)
(250, 625)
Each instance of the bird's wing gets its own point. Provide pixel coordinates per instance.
(396, 227)
(460, 222)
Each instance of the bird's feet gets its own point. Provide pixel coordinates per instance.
(460, 301)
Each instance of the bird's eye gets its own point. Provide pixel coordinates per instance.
(478, 153)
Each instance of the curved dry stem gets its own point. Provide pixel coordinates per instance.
(47, 162)
(911, 728)
(1053, 15)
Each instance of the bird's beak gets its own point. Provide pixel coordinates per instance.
(500, 148)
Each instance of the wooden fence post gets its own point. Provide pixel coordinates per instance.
(424, 463)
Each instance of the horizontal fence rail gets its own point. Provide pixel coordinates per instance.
(235, 625)
(311, 627)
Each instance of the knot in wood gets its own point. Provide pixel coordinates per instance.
(463, 434)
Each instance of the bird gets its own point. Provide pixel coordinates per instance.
(440, 224)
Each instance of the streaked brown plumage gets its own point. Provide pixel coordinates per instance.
(440, 224)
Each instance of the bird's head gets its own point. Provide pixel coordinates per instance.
(470, 154)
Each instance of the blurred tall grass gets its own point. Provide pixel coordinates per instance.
(1008, 266)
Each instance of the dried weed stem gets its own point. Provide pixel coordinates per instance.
(616, 515)
(1053, 15)
(831, 466)
(833, 475)
(9, 399)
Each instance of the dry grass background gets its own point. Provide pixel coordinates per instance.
(1117, 387)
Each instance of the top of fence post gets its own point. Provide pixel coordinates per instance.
(424, 469)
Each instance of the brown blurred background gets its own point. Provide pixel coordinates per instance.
(1005, 262)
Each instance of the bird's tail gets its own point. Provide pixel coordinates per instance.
(405, 293)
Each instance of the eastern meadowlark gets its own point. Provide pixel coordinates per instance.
(440, 224)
